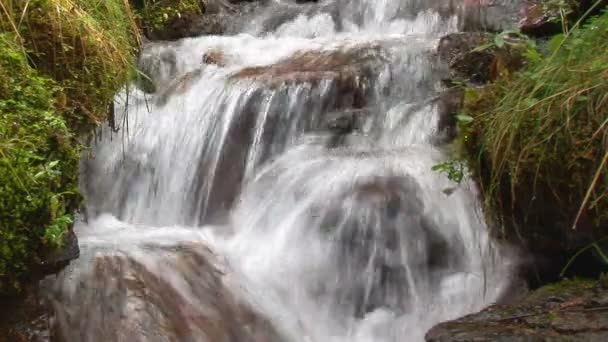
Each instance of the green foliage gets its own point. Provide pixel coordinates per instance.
(156, 14)
(454, 169)
(539, 136)
(61, 62)
(38, 166)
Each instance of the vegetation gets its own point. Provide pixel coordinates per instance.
(61, 62)
(538, 138)
(155, 15)
(38, 165)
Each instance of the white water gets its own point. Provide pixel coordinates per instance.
(354, 242)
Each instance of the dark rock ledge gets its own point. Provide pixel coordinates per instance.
(573, 310)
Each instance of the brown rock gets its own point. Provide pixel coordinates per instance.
(175, 293)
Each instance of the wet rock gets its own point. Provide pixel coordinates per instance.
(216, 17)
(460, 52)
(373, 225)
(158, 66)
(490, 15)
(545, 18)
(352, 70)
(475, 58)
(159, 293)
(540, 20)
(566, 311)
(53, 260)
(214, 57)
(178, 86)
(450, 104)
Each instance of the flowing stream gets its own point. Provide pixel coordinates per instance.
(277, 186)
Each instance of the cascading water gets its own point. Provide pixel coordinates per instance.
(277, 186)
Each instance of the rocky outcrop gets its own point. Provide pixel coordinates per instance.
(573, 310)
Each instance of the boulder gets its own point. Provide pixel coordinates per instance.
(171, 292)
(573, 310)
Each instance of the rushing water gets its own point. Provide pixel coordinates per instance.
(229, 206)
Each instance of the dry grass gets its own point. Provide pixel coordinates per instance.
(87, 46)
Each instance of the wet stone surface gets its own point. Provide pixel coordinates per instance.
(568, 311)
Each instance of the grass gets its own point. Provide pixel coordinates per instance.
(539, 137)
(86, 46)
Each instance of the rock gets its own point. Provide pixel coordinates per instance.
(545, 18)
(474, 57)
(53, 260)
(450, 104)
(26, 316)
(573, 310)
(214, 57)
(372, 226)
(159, 293)
(540, 20)
(460, 52)
(490, 15)
(352, 70)
(215, 18)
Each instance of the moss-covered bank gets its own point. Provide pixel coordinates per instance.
(537, 141)
(61, 62)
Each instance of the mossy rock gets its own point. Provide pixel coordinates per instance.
(38, 167)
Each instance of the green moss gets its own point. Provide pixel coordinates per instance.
(61, 63)
(538, 138)
(565, 288)
(38, 166)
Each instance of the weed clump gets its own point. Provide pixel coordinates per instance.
(539, 138)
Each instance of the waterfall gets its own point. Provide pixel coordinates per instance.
(277, 186)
